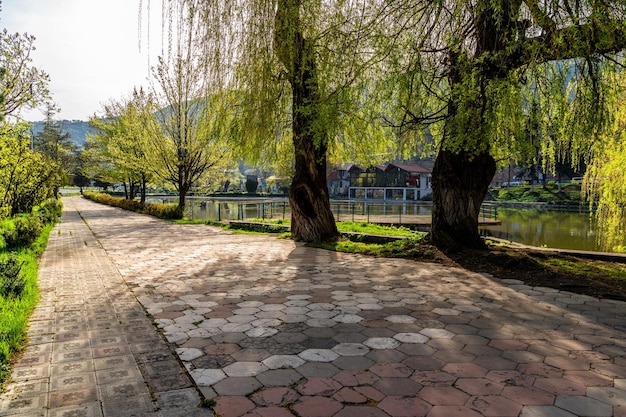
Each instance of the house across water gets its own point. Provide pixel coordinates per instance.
(393, 181)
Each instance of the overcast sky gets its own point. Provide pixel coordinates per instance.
(90, 49)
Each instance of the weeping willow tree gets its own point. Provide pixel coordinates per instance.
(294, 69)
(605, 180)
(484, 76)
(474, 74)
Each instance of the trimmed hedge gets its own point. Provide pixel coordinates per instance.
(162, 211)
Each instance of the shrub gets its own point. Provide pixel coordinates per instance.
(7, 233)
(12, 282)
(49, 211)
(27, 230)
(163, 211)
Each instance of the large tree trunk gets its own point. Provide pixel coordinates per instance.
(311, 216)
(460, 183)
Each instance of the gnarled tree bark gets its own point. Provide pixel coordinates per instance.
(311, 216)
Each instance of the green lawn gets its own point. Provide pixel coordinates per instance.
(15, 311)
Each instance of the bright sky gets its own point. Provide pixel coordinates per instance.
(90, 49)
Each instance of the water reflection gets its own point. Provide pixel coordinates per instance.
(553, 229)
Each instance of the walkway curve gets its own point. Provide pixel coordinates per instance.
(267, 327)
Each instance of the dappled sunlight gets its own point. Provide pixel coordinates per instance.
(281, 313)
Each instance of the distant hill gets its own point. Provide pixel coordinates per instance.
(77, 129)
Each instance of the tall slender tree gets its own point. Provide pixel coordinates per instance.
(190, 140)
(55, 145)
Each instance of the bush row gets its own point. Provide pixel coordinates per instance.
(24, 229)
(162, 211)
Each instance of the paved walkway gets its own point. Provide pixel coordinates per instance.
(266, 327)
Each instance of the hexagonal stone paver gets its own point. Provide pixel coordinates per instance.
(453, 411)
(411, 338)
(404, 406)
(283, 361)
(349, 395)
(188, 354)
(528, 396)
(584, 406)
(244, 369)
(391, 370)
(494, 405)
(279, 377)
(544, 411)
(401, 319)
(437, 333)
(318, 386)
(318, 355)
(348, 318)
(354, 363)
(237, 386)
(397, 386)
(317, 407)
(207, 377)
(381, 343)
(609, 395)
(351, 349)
(233, 406)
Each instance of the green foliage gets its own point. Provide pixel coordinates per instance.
(12, 282)
(27, 178)
(54, 144)
(163, 211)
(16, 310)
(24, 229)
(21, 84)
(50, 210)
(569, 194)
(7, 231)
(605, 179)
(27, 230)
(120, 150)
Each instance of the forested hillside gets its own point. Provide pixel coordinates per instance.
(77, 129)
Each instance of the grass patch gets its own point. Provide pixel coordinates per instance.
(15, 311)
(416, 248)
(377, 229)
(354, 227)
(591, 269)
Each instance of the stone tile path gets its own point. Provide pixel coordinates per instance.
(267, 327)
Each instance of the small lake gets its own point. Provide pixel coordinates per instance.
(552, 229)
(530, 226)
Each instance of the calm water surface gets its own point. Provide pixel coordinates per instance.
(552, 229)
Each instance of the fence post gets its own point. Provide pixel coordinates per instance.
(219, 211)
(352, 211)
